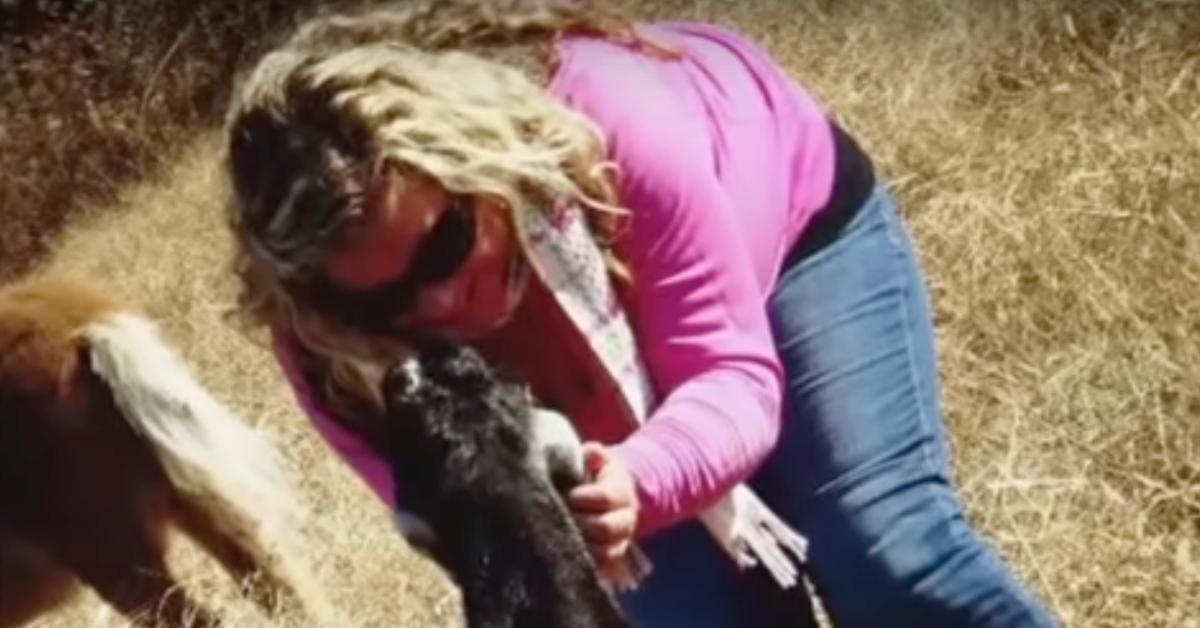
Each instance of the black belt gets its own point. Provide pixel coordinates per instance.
(853, 182)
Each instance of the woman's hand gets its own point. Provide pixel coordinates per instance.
(606, 508)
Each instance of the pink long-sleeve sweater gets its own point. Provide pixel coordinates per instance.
(723, 161)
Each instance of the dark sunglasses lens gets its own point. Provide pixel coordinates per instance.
(442, 253)
(448, 244)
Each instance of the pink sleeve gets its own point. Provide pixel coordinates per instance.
(372, 467)
(701, 323)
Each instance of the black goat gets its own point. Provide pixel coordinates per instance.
(487, 473)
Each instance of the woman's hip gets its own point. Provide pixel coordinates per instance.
(854, 332)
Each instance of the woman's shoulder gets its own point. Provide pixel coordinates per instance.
(612, 80)
(719, 84)
(641, 103)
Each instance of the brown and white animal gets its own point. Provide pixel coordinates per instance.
(105, 439)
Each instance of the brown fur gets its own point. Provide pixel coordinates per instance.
(82, 497)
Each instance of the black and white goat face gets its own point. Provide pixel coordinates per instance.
(483, 472)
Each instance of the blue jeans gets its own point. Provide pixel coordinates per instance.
(861, 468)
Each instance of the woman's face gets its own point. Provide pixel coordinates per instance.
(411, 220)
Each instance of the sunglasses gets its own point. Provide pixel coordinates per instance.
(441, 254)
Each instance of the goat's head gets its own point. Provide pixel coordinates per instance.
(439, 365)
(448, 399)
(438, 374)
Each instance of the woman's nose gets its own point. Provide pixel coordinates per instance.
(447, 300)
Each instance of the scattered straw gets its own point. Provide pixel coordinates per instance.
(1046, 154)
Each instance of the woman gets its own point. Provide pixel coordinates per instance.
(645, 221)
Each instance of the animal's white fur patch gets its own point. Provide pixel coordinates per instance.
(552, 431)
(204, 447)
(415, 530)
(209, 454)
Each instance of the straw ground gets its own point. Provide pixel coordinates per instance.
(1046, 154)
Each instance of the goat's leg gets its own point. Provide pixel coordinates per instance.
(30, 583)
(557, 450)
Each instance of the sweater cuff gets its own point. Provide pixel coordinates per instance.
(675, 471)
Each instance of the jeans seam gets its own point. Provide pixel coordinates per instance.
(927, 423)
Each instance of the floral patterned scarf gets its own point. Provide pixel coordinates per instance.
(566, 258)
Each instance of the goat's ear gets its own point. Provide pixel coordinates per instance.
(457, 367)
(401, 382)
(434, 353)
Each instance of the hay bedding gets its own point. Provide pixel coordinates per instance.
(1046, 156)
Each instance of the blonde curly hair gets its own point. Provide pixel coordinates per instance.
(404, 89)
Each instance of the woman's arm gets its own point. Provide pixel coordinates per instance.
(700, 317)
(696, 305)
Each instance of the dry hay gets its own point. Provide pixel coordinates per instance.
(1046, 154)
